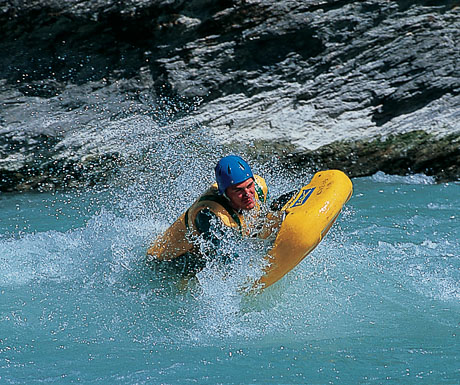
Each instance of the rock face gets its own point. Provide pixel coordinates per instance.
(358, 85)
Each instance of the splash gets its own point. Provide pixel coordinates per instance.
(381, 249)
(381, 177)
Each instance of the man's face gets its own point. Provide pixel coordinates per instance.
(242, 195)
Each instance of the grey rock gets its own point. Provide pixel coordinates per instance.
(319, 82)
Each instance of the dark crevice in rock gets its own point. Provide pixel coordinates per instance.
(404, 5)
(391, 106)
(231, 22)
(271, 49)
(331, 5)
(65, 49)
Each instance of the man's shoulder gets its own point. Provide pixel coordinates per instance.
(209, 202)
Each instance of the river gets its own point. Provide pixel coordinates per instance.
(376, 302)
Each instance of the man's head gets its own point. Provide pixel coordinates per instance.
(236, 181)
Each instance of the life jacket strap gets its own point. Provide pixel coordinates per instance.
(260, 192)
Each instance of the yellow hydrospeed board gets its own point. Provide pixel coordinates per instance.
(309, 216)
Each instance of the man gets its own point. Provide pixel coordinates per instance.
(218, 213)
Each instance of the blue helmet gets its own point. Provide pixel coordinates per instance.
(231, 170)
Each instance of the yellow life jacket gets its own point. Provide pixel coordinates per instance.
(176, 240)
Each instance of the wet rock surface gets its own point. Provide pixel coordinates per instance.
(361, 86)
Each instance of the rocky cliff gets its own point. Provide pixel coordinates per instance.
(357, 85)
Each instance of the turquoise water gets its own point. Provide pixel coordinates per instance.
(376, 302)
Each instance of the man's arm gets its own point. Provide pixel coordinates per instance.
(213, 235)
(279, 202)
(209, 226)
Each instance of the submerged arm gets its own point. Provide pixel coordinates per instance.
(214, 235)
